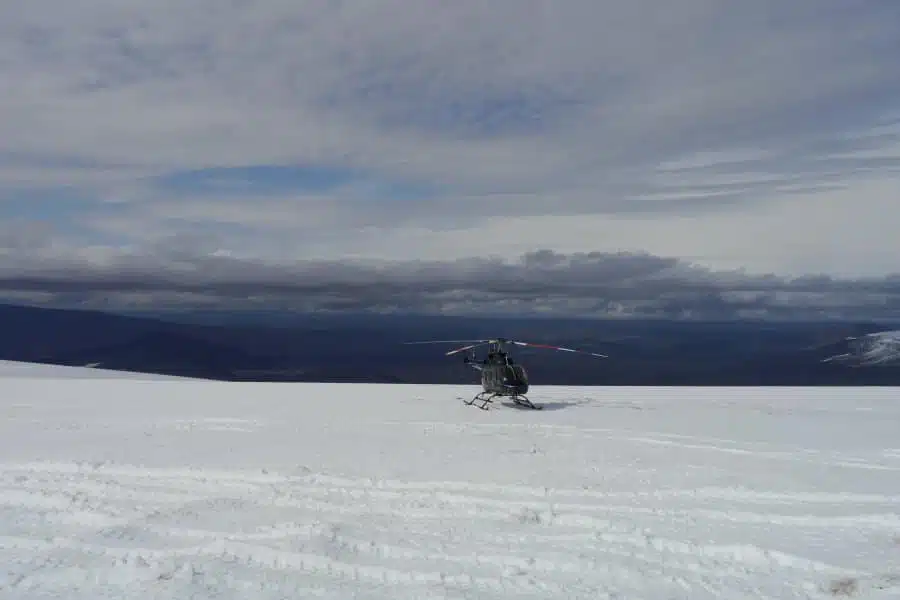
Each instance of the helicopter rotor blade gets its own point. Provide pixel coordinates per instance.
(475, 343)
(469, 344)
(560, 348)
(449, 342)
(469, 347)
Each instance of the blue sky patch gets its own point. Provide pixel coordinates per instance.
(261, 179)
(273, 180)
(57, 205)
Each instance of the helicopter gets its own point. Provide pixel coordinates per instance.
(501, 376)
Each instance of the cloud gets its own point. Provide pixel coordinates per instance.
(192, 271)
(718, 133)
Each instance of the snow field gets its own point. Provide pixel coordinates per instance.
(116, 488)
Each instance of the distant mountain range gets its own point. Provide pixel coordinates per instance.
(279, 346)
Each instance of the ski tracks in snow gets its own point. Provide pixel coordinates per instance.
(109, 530)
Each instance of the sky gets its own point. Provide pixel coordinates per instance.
(687, 157)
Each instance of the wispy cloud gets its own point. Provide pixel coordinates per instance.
(762, 135)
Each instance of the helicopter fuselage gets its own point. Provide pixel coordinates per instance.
(500, 375)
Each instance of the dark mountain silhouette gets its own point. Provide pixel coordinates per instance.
(167, 352)
(272, 346)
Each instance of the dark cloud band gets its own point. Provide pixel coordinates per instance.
(543, 281)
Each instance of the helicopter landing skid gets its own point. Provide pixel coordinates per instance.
(525, 403)
(485, 398)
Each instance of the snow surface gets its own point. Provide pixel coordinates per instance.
(10, 368)
(189, 489)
